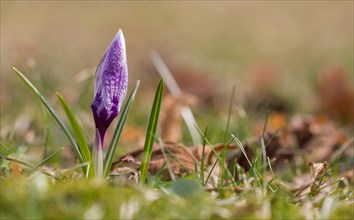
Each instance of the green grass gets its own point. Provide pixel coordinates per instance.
(40, 190)
(151, 131)
(80, 144)
(118, 131)
(55, 115)
(79, 136)
(231, 45)
(55, 193)
(41, 199)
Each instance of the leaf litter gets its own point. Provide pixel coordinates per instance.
(289, 141)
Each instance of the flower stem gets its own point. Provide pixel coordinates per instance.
(97, 156)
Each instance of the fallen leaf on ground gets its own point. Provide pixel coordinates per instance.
(170, 116)
(336, 95)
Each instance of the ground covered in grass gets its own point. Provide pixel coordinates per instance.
(270, 85)
(40, 198)
(284, 186)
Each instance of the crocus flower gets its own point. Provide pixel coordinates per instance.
(110, 90)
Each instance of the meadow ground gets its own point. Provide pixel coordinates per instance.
(291, 64)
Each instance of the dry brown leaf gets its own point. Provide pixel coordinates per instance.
(15, 169)
(311, 185)
(305, 137)
(300, 127)
(318, 169)
(309, 138)
(318, 137)
(263, 78)
(179, 157)
(276, 121)
(170, 116)
(196, 82)
(125, 170)
(336, 95)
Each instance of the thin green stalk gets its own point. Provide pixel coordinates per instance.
(151, 131)
(217, 161)
(239, 144)
(45, 160)
(118, 131)
(48, 133)
(253, 169)
(196, 169)
(203, 158)
(271, 170)
(15, 160)
(264, 153)
(223, 154)
(162, 146)
(53, 112)
(159, 171)
(210, 172)
(97, 156)
(79, 136)
(217, 156)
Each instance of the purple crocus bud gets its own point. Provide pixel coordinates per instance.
(110, 85)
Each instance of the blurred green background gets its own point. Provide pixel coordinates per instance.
(53, 42)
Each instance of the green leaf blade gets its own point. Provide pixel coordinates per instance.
(151, 131)
(79, 135)
(118, 130)
(55, 115)
(45, 160)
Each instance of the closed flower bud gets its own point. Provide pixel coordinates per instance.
(110, 84)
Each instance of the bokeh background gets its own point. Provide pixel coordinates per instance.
(284, 47)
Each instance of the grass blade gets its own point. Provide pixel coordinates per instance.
(172, 85)
(159, 171)
(53, 112)
(48, 133)
(79, 135)
(15, 160)
(45, 160)
(203, 158)
(169, 167)
(151, 131)
(223, 154)
(217, 156)
(117, 132)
